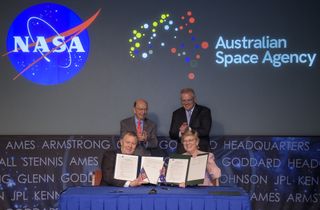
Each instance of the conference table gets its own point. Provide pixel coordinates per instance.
(154, 198)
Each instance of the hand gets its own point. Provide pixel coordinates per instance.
(182, 185)
(142, 137)
(137, 182)
(145, 135)
(183, 128)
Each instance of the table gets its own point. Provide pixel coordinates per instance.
(154, 198)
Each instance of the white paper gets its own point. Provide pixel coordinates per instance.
(126, 167)
(177, 170)
(152, 167)
(197, 167)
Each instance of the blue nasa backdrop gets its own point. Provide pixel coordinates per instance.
(75, 68)
(276, 172)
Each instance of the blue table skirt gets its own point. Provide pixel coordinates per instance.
(165, 198)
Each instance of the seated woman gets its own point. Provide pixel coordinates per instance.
(190, 141)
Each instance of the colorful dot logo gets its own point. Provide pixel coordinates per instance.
(48, 43)
(173, 35)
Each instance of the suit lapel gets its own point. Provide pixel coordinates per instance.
(184, 115)
(145, 125)
(133, 124)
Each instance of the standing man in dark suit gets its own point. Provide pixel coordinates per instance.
(128, 144)
(191, 116)
(146, 129)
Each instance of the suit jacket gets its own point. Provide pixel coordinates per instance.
(200, 121)
(107, 167)
(148, 126)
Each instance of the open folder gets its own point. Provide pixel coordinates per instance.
(187, 169)
(128, 167)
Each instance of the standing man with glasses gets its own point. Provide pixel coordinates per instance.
(145, 129)
(191, 116)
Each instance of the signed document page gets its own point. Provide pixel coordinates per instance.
(126, 167)
(152, 167)
(177, 170)
(197, 168)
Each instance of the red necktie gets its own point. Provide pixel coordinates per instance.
(139, 131)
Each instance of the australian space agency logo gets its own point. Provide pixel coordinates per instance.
(48, 43)
(174, 34)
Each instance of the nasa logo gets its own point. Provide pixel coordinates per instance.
(48, 43)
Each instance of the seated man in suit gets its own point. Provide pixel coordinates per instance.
(146, 129)
(191, 116)
(128, 144)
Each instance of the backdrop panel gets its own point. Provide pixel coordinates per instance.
(277, 172)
